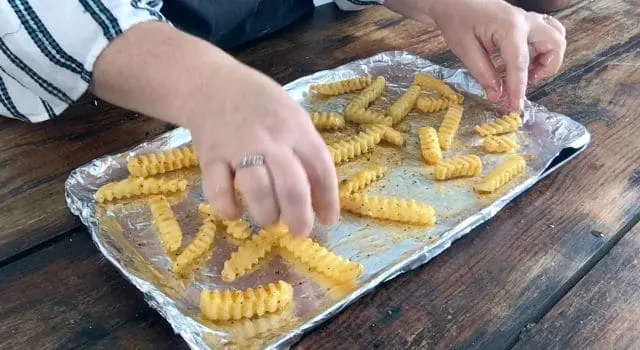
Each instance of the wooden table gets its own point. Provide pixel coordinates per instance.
(558, 268)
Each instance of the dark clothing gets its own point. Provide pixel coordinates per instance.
(229, 23)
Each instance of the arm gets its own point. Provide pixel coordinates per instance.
(46, 63)
(232, 111)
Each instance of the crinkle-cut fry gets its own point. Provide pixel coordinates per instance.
(498, 144)
(146, 165)
(394, 209)
(342, 86)
(393, 136)
(432, 104)
(389, 134)
(166, 224)
(335, 289)
(237, 229)
(427, 81)
(245, 329)
(224, 305)
(508, 123)
(250, 253)
(360, 180)
(205, 210)
(357, 114)
(429, 145)
(463, 166)
(327, 121)
(449, 126)
(320, 259)
(201, 245)
(370, 94)
(362, 143)
(138, 186)
(399, 109)
(502, 174)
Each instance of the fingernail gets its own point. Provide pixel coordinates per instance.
(331, 218)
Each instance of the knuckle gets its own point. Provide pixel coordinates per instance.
(514, 21)
(294, 195)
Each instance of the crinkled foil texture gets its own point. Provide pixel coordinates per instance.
(124, 234)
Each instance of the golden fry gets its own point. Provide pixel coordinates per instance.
(357, 114)
(404, 104)
(237, 229)
(146, 165)
(395, 209)
(250, 253)
(426, 81)
(498, 144)
(227, 305)
(502, 174)
(389, 134)
(364, 142)
(201, 245)
(508, 123)
(320, 259)
(464, 166)
(327, 121)
(360, 180)
(429, 145)
(449, 126)
(137, 186)
(342, 86)
(370, 94)
(166, 224)
(432, 104)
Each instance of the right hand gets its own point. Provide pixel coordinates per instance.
(250, 113)
(531, 45)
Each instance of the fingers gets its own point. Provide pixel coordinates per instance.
(477, 60)
(218, 189)
(547, 45)
(537, 69)
(321, 173)
(255, 184)
(292, 188)
(557, 26)
(515, 54)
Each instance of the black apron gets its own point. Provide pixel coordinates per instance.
(229, 23)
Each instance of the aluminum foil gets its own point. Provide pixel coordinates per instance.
(123, 231)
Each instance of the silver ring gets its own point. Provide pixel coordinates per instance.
(546, 18)
(250, 160)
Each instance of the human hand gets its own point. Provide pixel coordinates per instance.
(531, 45)
(250, 114)
(232, 111)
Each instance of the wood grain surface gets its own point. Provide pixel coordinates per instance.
(481, 293)
(602, 311)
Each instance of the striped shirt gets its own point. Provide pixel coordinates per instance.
(48, 48)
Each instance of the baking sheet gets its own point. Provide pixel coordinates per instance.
(124, 234)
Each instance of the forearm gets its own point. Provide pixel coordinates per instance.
(156, 70)
(419, 10)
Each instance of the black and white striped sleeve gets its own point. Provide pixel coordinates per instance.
(351, 5)
(48, 49)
